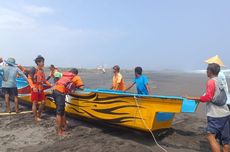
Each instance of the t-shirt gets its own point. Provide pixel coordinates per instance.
(9, 76)
(118, 79)
(52, 73)
(141, 83)
(57, 74)
(213, 110)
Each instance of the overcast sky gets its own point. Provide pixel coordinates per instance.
(155, 34)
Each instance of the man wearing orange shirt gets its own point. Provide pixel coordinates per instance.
(118, 81)
(65, 85)
(36, 79)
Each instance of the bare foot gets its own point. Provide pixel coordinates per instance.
(61, 133)
(39, 115)
(38, 119)
(65, 127)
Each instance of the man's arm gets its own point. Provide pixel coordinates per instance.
(30, 79)
(22, 74)
(48, 78)
(147, 87)
(78, 83)
(192, 98)
(130, 86)
(207, 97)
(48, 84)
(81, 87)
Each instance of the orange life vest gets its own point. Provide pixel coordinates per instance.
(38, 77)
(66, 81)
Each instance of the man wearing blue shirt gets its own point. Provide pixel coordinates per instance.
(9, 87)
(141, 82)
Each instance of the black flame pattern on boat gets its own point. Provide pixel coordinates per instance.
(94, 99)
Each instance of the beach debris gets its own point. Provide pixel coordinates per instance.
(101, 68)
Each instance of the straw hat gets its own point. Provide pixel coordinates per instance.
(216, 59)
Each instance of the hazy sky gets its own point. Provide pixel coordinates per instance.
(155, 34)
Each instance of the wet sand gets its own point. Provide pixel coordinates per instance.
(20, 133)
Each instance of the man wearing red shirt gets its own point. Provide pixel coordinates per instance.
(218, 116)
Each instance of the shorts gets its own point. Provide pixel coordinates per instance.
(10, 91)
(37, 96)
(59, 99)
(221, 128)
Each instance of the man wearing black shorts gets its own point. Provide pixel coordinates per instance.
(69, 81)
(9, 87)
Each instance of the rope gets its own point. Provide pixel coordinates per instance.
(136, 100)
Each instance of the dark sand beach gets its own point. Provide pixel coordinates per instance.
(20, 133)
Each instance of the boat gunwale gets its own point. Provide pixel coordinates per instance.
(106, 91)
(130, 94)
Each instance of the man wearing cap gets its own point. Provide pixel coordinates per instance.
(118, 81)
(9, 87)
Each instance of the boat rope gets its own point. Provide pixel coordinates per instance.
(139, 111)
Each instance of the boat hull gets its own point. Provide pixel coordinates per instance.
(125, 109)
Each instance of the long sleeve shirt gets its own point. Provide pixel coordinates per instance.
(211, 92)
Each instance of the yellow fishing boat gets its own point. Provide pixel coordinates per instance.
(142, 112)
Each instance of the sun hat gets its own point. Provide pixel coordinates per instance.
(216, 59)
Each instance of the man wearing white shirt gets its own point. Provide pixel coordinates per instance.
(216, 59)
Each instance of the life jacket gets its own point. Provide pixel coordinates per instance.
(38, 76)
(66, 81)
